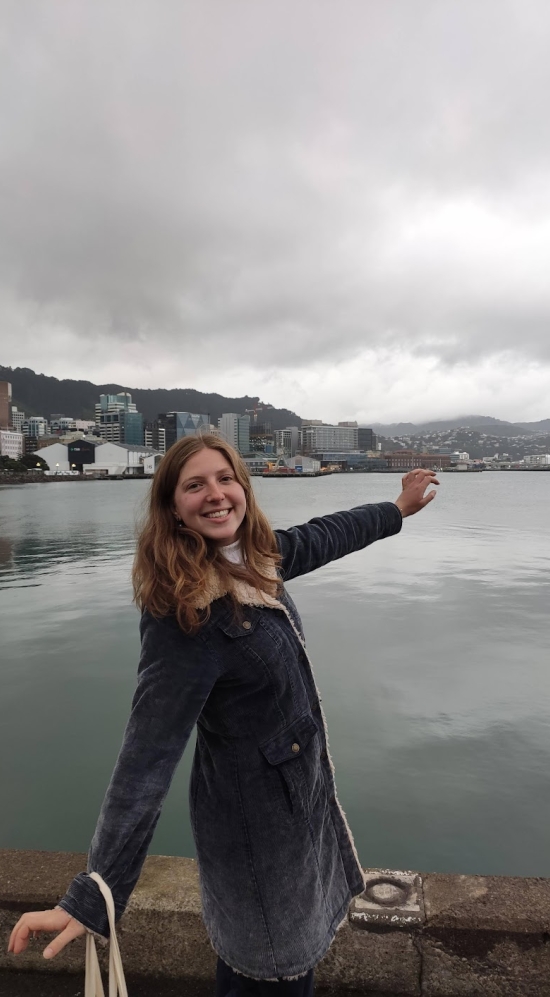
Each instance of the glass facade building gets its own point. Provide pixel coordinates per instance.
(179, 424)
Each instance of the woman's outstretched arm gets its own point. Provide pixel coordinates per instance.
(176, 675)
(327, 538)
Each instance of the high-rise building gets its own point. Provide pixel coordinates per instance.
(236, 430)
(17, 419)
(5, 405)
(176, 425)
(154, 436)
(366, 439)
(118, 419)
(316, 439)
(288, 441)
(35, 426)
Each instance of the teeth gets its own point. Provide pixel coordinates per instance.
(222, 514)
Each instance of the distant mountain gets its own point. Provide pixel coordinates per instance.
(37, 394)
(477, 423)
(537, 427)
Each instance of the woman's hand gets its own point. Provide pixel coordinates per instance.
(412, 498)
(45, 920)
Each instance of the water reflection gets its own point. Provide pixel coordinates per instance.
(430, 649)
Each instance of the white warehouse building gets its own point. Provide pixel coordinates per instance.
(92, 458)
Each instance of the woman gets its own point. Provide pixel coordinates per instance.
(223, 648)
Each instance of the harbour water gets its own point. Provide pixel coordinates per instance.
(431, 651)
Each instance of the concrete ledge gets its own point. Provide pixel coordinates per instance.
(409, 936)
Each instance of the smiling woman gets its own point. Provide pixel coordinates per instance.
(222, 647)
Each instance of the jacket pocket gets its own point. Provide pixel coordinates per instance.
(294, 757)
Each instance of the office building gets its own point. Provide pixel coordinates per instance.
(11, 443)
(288, 441)
(36, 426)
(236, 430)
(315, 439)
(154, 435)
(118, 420)
(176, 425)
(366, 439)
(17, 419)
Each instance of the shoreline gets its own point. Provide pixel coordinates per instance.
(7, 478)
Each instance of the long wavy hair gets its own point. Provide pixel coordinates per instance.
(173, 564)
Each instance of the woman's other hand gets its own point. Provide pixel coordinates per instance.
(413, 497)
(45, 920)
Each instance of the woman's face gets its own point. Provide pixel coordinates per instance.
(208, 497)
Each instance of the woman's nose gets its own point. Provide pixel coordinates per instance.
(215, 493)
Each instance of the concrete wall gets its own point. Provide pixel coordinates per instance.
(409, 935)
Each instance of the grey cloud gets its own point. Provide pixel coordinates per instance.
(240, 172)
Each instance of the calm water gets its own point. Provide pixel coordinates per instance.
(431, 651)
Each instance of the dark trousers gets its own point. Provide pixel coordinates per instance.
(231, 984)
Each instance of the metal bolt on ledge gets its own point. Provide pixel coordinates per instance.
(391, 900)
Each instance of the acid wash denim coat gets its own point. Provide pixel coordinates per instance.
(276, 859)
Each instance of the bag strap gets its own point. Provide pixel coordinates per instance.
(117, 983)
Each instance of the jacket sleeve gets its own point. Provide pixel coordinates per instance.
(305, 548)
(175, 677)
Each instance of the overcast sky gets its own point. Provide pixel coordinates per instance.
(340, 205)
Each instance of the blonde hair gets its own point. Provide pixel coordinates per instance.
(173, 563)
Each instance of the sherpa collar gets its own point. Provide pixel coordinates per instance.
(244, 593)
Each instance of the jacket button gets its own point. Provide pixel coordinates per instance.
(295, 748)
(246, 625)
(324, 756)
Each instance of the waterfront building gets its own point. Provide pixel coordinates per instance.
(300, 462)
(236, 430)
(97, 457)
(118, 419)
(537, 460)
(256, 462)
(351, 460)
(5, 405)
(366, 439)
(11, 443)
(405, 460)
(288, 441)
(176, 425)
(325, 437)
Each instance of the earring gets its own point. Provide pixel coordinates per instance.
(179, 523)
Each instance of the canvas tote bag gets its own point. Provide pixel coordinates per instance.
(93, 986)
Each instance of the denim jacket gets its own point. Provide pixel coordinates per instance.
(276, 859)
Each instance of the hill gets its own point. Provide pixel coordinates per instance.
(37, 394)
(483, 424)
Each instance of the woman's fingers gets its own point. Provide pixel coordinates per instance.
(73, 930)
(45, 920)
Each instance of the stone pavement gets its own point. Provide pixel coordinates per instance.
(24, 984)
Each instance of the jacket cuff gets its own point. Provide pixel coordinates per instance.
(84, 902)
(393, 517)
